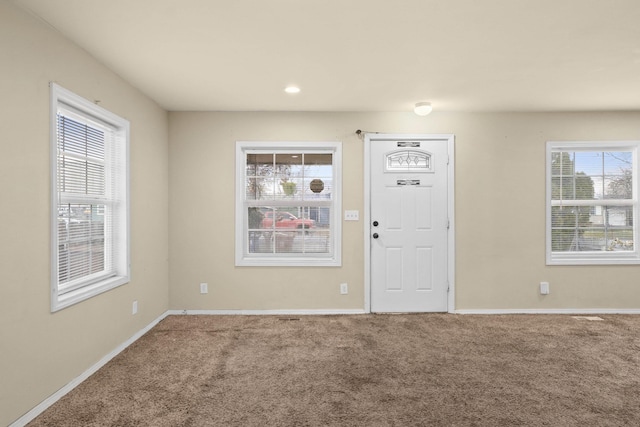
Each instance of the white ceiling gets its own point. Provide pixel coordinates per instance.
(364, 55)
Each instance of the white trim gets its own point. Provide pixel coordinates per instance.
(42, 406)
(451, 199)
(450, 138)
(294, 312)
(366, 244)
(551, 311)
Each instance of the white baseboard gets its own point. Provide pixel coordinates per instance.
(266, 312)
(33, 413)
(551, 311)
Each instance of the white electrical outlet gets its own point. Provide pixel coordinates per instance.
(344, 288)
(134, 308)
(204, 288)
(544, 288)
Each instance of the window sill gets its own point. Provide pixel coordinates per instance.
(86, 292)
(288, 262)
(629, 259)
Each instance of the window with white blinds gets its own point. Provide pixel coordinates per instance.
(592, 202)
(288, 203)
(90, 250)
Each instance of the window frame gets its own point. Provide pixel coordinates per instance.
(242, 256)
(116, 243)
(593, 257)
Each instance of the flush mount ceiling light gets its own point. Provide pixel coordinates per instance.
(292, 89)
(422, 108)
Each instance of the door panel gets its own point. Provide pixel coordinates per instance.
(424, 269)
(394, 269)
(409, 201)
(423, 213)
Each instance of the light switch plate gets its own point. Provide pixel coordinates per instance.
(351, 215)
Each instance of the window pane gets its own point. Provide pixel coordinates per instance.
(561, 239)
(619, 186)
(317, 163)
(290, 188)
(79, 138)
(583, 185)
(259, 189)
(588, 162)
(80, 157)
(563, 216)
(80, 176)
(80, 241)
(267, 218)
(318, 181)
(288, 171)
(617, 161)
(556, 163)
(297, 230)
(562, 163)
(592, 228)
(567, 226)
(556, 188)
(259, 165)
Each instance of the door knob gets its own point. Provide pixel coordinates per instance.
(375, 235)
(375, 223)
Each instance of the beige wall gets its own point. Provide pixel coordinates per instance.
(39, 351)
(500, 211)
(202, 212)
(500, 218)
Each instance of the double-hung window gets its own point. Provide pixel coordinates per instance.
(592, 202)
(89, 217)
(288, 203)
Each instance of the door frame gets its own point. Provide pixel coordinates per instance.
(449, 139)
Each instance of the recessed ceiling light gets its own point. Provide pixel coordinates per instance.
(292, 89)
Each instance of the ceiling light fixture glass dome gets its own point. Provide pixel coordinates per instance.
(422, 108)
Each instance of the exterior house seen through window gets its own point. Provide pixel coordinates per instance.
(592, 203)
(288, 197)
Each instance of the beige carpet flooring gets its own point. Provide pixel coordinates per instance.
(367, 370)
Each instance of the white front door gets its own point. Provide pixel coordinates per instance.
(409, 225)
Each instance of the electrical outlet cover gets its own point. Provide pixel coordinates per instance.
(544, 288)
